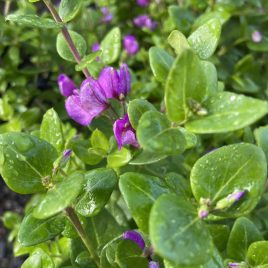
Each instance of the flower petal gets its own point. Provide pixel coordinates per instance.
(124, 79)
(66, 85)
(135, 237)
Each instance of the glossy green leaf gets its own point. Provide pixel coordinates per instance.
(140, 191)
(87, 60)
(136, 108)
(220, 234)
(111, 46)
(160, 62)
(257, 254)
(145, 158)
(119, 158)
(228, 112)
(178, 41)
(59, 196)
(25, 161)
(51, 130)
(68, 9)
(204, 39)
(33, 21)
(99, 140)
(186, 81)
(177, 234)
(128, 254)
(243, 233)
(190, 138)
(39, 259)
(154, 134)
(10, 219)
(261, 136)
(99, 185)
(211, 77)
(35, 231)
(63, 49)
(238, 167)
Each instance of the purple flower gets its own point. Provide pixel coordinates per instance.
(202, 214)
(144, 21)
(236, 195)
(67, 153)
(256, 37)
(233, 264)
(130, 44)
(87, 103)
(135, 237)
(124, 133)
(107, 17)
(95, 47)
(143, 3)
(66, 85)
(153, 264)
(115, 83)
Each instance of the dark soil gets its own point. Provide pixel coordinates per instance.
(9, 201)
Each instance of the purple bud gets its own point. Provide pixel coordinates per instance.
(124, 133)
(124, 81)
(95, 47)
(233, 264)
(135, 237)
(236, 195)
(256, 37)
(144, 21)
(143, 3)
(130, 44)
(67, 153)
(202, 214)
(107, 17)
(66, 85)
(153, 264)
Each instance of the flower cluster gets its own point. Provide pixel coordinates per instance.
(91, 99)
(144, 21)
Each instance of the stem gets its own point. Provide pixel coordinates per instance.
(81, 232)
(65, 34)
(7, 7)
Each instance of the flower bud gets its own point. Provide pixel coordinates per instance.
(229, 200)
(66, 85)
(130, 44)
(135, 237)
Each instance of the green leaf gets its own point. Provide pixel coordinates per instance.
(39, 259)
(68, 9)
(145, 158)
(63, 49)
(129, 255)
(87, 60)
(238, 167)
(186, 81)
(33, 21)
(244, 232)
(51, 130)
(154, 134)
(140, 192)
(177, 234)
(119, 158)
(35, 231)
(220, 234)
(178, 41)
(99, 140)
(261, 136)
(228, 112)
(25, 161)
(257, 254)
(111, 46)
(59, 196)
(160, 62)
(211, 77)
(136, 108)
(205, 39)
(99, 186)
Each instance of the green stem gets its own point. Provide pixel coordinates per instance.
(81, 232)
(65, 34)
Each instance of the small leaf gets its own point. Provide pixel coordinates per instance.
(160, 62)
(178, 41)
(60, 196)
(63, 49)
(145, 158)
(261, 136)
(257, 254)
(51, 130)
(136, 108)
(111, 46)
(177, 234)
(154, 134)
(228, 112)
(220, 234)
(99, 140)
(35, 231)
(87, 60)
(230, 168)
(68, 9)
(25, 161)
(99, 185)
(205, 39)
(119, 158)
(33, 21)
(140, 192)
(243, 233)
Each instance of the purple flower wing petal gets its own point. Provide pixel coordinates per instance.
(76, 110)
(153, 264)
(118, 129)
(124, 79)
(128, 137)
(135, 237)
(66, 85)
